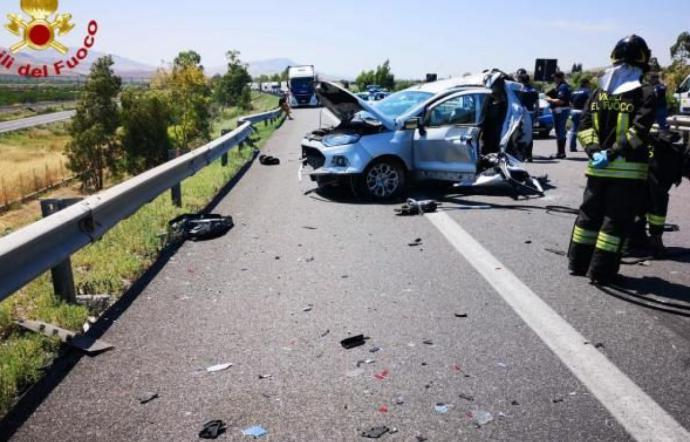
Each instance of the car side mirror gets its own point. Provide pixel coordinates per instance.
(415, 123)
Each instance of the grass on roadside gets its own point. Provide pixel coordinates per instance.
(108, 266)
(31, 158)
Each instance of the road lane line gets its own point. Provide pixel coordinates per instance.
(638, 413)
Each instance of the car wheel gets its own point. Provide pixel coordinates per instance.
(545, 133)
(383, 180)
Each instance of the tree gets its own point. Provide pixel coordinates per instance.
(94, 148)
(188, 92)
(382, 76)
(679, 68)
(234, 86)
(146, 116)
(364, 79)
(188, 58)
(681, 48)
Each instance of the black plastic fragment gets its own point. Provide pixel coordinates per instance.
(352, 342)
(212, 429)
(268, 160)
(376, 432)
(147, 397)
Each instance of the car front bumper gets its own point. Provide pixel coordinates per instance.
(319, 160)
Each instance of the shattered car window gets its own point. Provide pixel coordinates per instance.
(458, 110)
(399, 103)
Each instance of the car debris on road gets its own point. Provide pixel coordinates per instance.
(268, 160)
(212, 429)
(87, 344)
(413, 207)
(441, 408)
(199, 227)
(219, 367)
(481, 418)
(375, 432)
(146, 397)
(256, 432)
(352, 342)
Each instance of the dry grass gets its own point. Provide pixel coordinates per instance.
(31, 159)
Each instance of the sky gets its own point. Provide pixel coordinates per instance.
(341, 38)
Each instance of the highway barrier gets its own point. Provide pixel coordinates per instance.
(49, 243)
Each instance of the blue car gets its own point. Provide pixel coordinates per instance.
(544, 124)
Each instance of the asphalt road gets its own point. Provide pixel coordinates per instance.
(38, 120)
(301, 272)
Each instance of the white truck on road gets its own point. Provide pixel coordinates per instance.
(683, 96)
(301, 82)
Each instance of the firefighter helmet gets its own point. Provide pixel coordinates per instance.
(632, 50)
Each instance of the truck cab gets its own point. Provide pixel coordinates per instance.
(301, 81)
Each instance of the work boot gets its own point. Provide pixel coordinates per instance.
(656, 243)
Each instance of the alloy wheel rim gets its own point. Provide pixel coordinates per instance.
(383, 180)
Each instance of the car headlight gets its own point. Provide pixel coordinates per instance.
(339, 139)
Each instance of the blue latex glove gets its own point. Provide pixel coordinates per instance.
(600, 160)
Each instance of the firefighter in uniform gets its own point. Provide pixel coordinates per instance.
(614, 131)
(668, 163)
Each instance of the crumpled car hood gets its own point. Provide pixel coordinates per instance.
(344, 105)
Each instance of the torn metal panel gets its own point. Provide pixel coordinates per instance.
(88, 345)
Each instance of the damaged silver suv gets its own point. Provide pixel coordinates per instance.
(468, 131)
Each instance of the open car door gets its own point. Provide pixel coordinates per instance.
(446, 146)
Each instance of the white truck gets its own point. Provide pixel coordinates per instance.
(683, 96)
(301, 82)
(271, 87)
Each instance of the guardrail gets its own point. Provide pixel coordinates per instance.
(680, 123)
(45, 244)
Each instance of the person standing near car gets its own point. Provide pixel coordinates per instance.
(578, 99)
(614, 132)
(560, 105)
(284, 105)
(529, 98)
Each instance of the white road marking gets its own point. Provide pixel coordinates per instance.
(638, 413)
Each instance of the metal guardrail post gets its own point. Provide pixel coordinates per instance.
(63, 278)
(175, 190)
(224, 157)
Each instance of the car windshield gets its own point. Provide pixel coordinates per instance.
(302, 85)
(399, 103)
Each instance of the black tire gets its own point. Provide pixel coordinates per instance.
(545, 133)
(383, 180)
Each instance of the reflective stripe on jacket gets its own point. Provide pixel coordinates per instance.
(619, 124)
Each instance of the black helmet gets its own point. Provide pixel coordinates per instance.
(632, 50)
